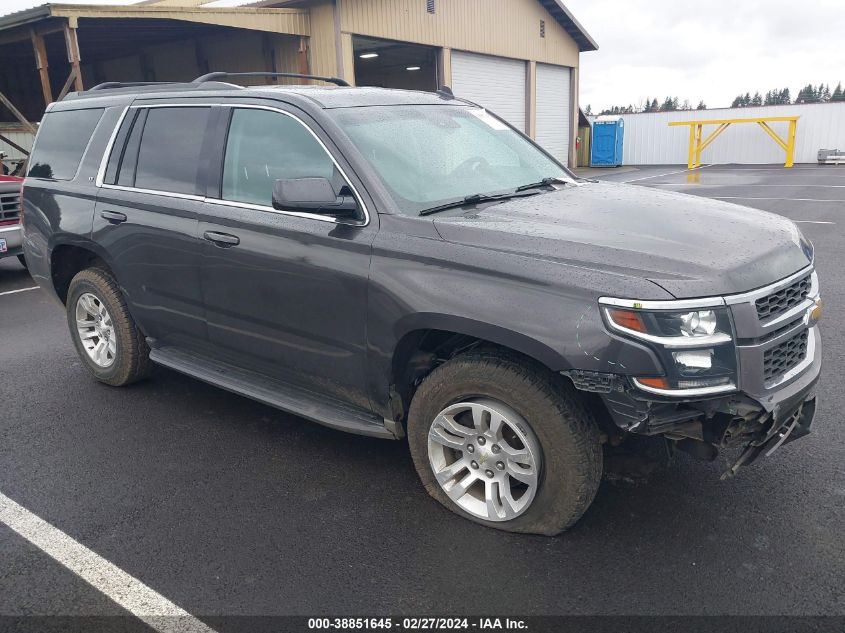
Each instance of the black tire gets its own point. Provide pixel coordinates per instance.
(22, 260)
(567, 434)
(132, 358)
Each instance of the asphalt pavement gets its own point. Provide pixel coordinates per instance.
(228, 507)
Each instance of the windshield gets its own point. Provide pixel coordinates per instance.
(431, 155)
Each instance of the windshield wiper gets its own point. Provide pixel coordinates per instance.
(545, 182)
(476, 198)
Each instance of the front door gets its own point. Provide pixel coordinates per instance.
(146, 219)
(285, 292)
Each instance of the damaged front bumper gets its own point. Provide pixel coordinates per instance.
(759, 421)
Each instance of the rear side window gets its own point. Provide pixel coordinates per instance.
(168, 155)
(62, 139)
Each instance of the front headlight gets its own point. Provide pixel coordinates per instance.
(696, 345)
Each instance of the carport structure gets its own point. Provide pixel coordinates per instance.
(52, 49)
(520, 58)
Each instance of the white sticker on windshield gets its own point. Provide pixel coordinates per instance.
(489, 119)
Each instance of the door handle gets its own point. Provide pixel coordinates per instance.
(222, 239)
(115, 217)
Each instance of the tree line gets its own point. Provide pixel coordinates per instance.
(779, 96)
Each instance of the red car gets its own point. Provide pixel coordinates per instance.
(10, 217)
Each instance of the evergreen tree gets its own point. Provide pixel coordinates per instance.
(746, 100)
(654, 106)
(785, 97)
(838, 94)
(737, 102)
(701, 106)
(588, 110)
(757, 100)
(824, 93)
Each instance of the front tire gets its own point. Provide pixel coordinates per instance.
(506, 443)
(105, 336)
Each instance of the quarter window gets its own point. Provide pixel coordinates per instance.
(62, 140)
(265, 146)
(169, 153)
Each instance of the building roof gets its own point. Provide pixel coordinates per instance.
(158, 8)
(555, 7)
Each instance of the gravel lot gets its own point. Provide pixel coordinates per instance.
(229, 507)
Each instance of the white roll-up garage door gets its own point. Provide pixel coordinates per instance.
(495, 83)
(554, 115)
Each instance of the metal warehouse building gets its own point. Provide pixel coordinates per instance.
(519, 58)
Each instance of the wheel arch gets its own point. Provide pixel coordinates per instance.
(67, 258)
(427, 339)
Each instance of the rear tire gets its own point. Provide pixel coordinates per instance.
(22, 260)
(105, 336)
(540, 407)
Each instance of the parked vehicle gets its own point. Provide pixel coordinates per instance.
(398, 263)
(10, 217)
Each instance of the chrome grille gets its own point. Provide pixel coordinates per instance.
(10, 206)
(784, 299)
(781, 358)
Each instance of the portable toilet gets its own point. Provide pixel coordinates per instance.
(607, 135)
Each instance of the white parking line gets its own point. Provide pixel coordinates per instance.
(130, 593)
(812, 222)
(11, 292)
(671, 173)
(784, 199)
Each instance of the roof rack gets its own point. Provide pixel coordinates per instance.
(108, 85)
(220, 75)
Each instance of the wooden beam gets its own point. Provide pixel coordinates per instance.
(42, 65)
(73, 56)
(66, 88)
(16, 113)
(10, 142)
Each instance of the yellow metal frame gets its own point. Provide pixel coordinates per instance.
(697, 144)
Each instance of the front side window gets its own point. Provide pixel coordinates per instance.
(264, 146)
(429, 155)
(170, 148)
(62, 140)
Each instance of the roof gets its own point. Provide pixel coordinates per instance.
(555, 7)
(577, 32)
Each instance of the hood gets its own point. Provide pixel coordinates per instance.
(689, 245)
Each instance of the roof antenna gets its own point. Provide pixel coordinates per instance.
(446, 92)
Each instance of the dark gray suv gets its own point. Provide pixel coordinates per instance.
(397, 263)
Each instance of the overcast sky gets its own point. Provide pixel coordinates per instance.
(709, 50)
(692, 50)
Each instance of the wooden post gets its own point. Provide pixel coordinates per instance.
(73, 55)
(202, 58)
(269, 51)
(302, 53)
(42, 65)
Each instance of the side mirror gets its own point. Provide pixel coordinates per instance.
(312, 195)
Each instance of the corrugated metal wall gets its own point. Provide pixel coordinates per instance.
(650, 141)
(508, 28)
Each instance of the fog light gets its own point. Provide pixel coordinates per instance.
(816, 314)
(694, 360)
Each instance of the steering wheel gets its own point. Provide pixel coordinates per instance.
(470, 166)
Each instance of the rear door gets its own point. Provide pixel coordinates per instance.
(146, 218)
(285, 292)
